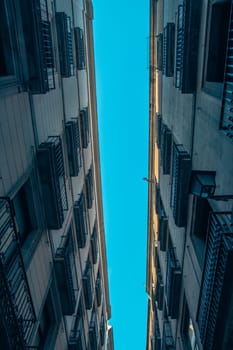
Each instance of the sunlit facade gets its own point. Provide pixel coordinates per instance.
(53, 268)
(190, 179)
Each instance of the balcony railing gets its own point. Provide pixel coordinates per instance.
(89, 188)
(65, 45)
(162, 228)
(16, 307)
(77, 335)
(93, 334)
(226, 123)
(156, 340)
(84, 126)
(188, 27)
(168, 340)
(80, 48)
(173, 283)
(102, 330)
(160, 51)
(73, 146)
(168, 49)
(88, 291)
(158, 129)
(165, 149)
(38, 43)
(94, 245)
(98, 291)
(66, 274)
(159, 292)
(216, 290)
(181, 171)
(52, 176)
(80, 216)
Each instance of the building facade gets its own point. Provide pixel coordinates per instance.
(53, 269)
(190, 180)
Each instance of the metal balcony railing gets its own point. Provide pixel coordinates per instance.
(16, 305)
(77, 335)
(173, 283)
(89, 188)
(216, 281)
(80, 216)
(226, 122)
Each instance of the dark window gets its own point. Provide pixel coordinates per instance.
(84, 125)
(162, 228)
(102, 330)
(187, 330)
(80, 216)
(52, 176)
(38, 44)
(168, 49)
(226, 122)
(160, 51)
(80, 48)
(89, 188)
(66, 274)
(77, 335)
(165, 149)
(73, 146)
(93, 333)
(47, 322)
(219, 23)
(25, 211)
(158, 129)
(201, 211)
(181, 170)
(98, 289)
(65, 45)
(88, 286)
(6, 52)
(94, 245)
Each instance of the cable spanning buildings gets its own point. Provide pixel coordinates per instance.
(190, 218)
(53, 269)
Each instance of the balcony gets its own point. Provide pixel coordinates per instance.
(52, 176)
(160, 52)
(173, 284)
(88, 291)
(214, 311)
(94, 245)
(156, 339)
(188, 27)
(66, 274)
(84, 126)
(89, 188)
(38, 44)
(98, 290)
(181, 172)
(93, 334)
(77, 335)
(168, 49)
(16, 307)
(65, 46)
(165, 149)
(80, 217)
(159, 292)
(102, 330)
(226, 122)
(73, 146)
(162, 229)
(168, 341)
(80, 48)
(158, 129)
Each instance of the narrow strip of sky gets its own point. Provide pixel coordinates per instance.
(121, 56)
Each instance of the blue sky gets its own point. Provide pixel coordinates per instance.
(121, 56)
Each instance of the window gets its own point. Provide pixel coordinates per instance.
(226, 122)
(48, 323)
(173, 283)
(52, 176)
(88, 286)
(94, 245)
(181, 171)
(89, 188)
(160, 51)
(187, 42)
(93, 333)
(73, 146)
(80, 48)
(65, 45)
(80, 216)
(84, 125)
(6, 62)
(98, 289)
(162, 228)
(158, 129)
(159, 291)
(187, 330)
(168, 49)
(102, 330)
(38, 45)
(201, 211)
(168, 340)
(77, 335)
(66, 274)
(217, 34)
(215, 300)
